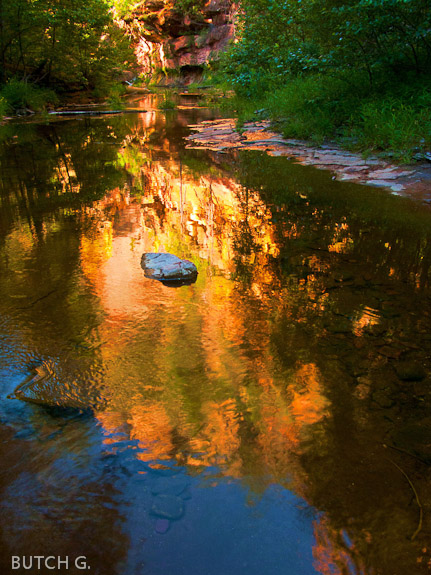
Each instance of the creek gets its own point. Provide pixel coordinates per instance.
(272, 417)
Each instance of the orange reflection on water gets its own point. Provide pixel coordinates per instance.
(204, 217)
(95, 251)
(219, 441)
(309, 403)
(66, 174)
(368, 318)
(151, 426)
(217, 405)
(114, 426)
(278, 438)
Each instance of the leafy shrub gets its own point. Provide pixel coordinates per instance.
(393, 118)
(19, 94)
(167, 103)
(115, 96)
(3, 107)
(393, 124)
(191, 8)
(65, 44)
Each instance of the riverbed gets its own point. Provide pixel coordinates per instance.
(271, 417)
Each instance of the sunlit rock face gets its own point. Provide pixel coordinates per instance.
(166, 38)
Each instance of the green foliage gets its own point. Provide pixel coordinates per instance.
(3, 107)
(190, 8)
(393, 118)
(281, 39)
(313, 107)
(73, 43)
(123, 8)
(393, 124)
(355, 70)
(115, 96)
(167, 103)
(17, 94)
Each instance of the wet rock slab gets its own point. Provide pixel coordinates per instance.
(168, 268)
(221, 135)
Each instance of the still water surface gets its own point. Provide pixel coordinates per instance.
(271, 418)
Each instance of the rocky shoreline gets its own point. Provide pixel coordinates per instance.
(222, 136)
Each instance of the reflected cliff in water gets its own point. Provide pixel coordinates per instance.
(287, 381)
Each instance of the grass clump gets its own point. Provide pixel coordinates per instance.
(3, 108)
(167, 103)
(315, 107)
(115, 96)
(21, 95)
(395, 124)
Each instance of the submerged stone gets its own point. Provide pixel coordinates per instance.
(168, 268)
(168, 507)
(170, 485)
(340, 326)
(382, 398)
(50, 386)
(162, 526)
(415, 437)
(422, 387)
(410, 371)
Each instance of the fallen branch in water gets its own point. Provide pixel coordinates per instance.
(95, 112)
(407, 452)
(38, 299)
(419, 527)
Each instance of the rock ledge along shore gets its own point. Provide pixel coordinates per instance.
(221, 136)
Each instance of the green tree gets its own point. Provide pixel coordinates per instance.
(279, 39)
(64, 42)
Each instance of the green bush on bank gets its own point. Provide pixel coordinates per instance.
(3, 107)
(395, 125)
(394, 119)
(357, 71)
(167, 103)
(17, 94)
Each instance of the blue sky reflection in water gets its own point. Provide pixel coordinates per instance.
(223, 529)
(243, 424)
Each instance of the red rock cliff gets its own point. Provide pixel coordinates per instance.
(168, 37)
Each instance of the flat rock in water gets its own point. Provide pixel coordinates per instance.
(168, 268)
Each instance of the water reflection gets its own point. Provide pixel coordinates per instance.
(250, 409)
